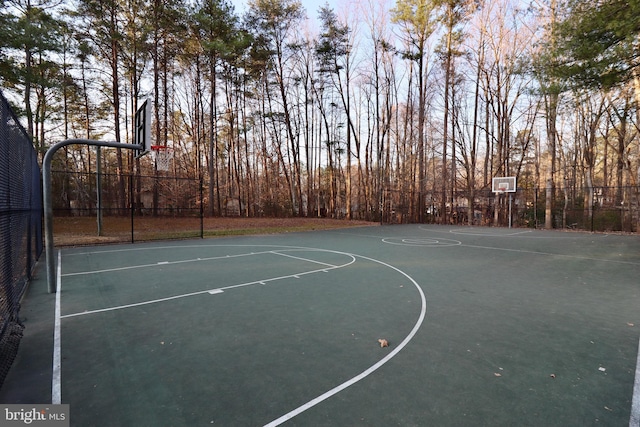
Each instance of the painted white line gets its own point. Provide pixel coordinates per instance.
(346, 384)
(56, 389)
(131, 267)
(634, 421)
(487, 233)
(421, 242)
(302, 259)
(289, 276)
(525, 234)
(369, 371)
(138, 304)
(200, 246)
(209, 291)
(551, 254)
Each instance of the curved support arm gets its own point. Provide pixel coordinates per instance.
(48, 205)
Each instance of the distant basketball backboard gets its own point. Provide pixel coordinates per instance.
(142, 128)
(506, 184)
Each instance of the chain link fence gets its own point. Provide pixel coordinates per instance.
(20, 227)
(89, 208)
(598, 209)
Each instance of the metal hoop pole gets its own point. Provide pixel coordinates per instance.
(48, 205)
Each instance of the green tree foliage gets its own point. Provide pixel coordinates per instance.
(418, 20)
(263, 105)
(333, 43)
(599, 43)
(30, 36)
(273, 23)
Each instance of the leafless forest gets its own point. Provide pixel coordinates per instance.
(382, 111)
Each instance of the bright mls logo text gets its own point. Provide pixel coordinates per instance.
(38, 415)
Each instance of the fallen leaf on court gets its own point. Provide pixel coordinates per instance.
(497, 374)
(601, 369)
(630, 324)
(552, 375)
(383, 342)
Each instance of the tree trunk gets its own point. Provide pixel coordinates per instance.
(115, 92)
(445, 130)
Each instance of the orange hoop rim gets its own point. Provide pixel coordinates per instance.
(160, 148)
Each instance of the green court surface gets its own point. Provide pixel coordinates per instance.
(486, 326)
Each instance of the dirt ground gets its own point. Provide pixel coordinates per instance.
(74, 231)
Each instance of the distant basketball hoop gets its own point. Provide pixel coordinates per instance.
(162, 155)
(506, 184)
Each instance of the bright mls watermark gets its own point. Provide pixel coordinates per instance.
(34, 415)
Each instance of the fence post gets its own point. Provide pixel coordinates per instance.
(201, 208)
(132, 205)
(548, 215)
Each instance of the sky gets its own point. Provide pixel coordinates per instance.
(310, 6)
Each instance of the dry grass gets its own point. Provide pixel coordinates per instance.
(75, 231)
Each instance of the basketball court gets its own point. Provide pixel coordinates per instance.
(486, 326)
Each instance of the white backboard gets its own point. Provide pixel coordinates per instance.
(505, 184)
(142, 128)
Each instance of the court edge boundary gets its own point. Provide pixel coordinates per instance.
(56, 377)
(56, 389)
(634, 420)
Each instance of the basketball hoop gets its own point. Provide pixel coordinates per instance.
(162, 155)
(502, 185)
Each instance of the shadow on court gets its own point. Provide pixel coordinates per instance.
(486, 326)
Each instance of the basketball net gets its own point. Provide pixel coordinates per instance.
(162, 156)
